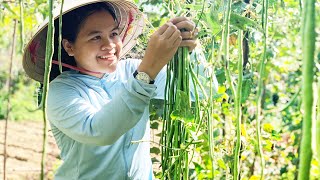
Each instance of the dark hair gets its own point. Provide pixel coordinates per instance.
(71, 24)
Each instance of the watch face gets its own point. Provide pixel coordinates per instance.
(142, 76)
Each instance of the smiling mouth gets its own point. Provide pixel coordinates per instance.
(108, 58)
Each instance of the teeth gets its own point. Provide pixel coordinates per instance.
(103, 57)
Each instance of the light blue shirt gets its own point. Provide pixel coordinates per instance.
(95, 120)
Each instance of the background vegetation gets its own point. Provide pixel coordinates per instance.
(281, 103)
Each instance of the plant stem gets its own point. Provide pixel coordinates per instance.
(48, 61)
(60, 37)
(308, 51)
(8, 101)
(318, 126)
(225, 50)
(210, 114)
(260, 86)
(21, 24)
(225, 41)
(236, 167)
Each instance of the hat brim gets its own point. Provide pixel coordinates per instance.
(131, 25)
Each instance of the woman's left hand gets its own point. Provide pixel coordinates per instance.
(188, 30)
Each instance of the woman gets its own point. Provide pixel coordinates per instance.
(98, 105)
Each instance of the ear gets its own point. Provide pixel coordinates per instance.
(68, 47)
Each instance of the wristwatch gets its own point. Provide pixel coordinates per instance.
(142, 76)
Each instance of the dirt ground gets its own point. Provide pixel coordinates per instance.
(24, 150)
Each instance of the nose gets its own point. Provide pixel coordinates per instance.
(107, 44)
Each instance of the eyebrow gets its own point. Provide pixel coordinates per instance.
(97, 32)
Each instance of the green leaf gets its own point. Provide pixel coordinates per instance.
(221, 77)
(155, 150)
(239, 7)
(9, 8)
(182, 108)
(175, 115)
(212, 23)
(258, 7)
(221, 164)
(243, 23)
(246, 89)
(275, 135)
(182, 115)
(154, 125)
(268, 146)
(216, 133)
(182, 100)
(198, 167)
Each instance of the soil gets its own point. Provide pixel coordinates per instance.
(24, 151)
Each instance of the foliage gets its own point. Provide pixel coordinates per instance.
(23, 97)
(281, 123)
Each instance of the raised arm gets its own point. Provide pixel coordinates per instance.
(71, 111)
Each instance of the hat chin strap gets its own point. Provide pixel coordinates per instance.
(75, 68)
(35, 45)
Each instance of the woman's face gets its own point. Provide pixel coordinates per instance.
(98, 44)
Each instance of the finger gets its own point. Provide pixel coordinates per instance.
(195, 32)
(187, 35)
(187, 25)
(178, 19)
(191, 44)
(169, 32)
(163, 28)
(190, 34)
(176, 35)
(177, 42)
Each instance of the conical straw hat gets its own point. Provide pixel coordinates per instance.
(130, 25)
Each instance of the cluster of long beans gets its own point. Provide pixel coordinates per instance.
(177, 112)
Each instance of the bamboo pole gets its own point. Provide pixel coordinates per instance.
(308, 52)
(8, 102)
(48, 61)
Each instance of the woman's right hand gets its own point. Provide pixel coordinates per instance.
(162, 46)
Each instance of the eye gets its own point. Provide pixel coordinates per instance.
(96, 38)
(114, 33)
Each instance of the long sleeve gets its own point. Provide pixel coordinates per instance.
(71, 112)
